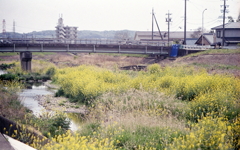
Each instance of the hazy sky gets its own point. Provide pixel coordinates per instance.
(100, 15)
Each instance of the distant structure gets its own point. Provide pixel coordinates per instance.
(4, 26)
(13, 28)
(65, 32)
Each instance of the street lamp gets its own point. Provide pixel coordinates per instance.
(202, 25)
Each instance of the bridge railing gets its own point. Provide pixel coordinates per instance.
(196, 47)
(79, 41)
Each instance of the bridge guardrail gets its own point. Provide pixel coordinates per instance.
(78, 41)
(196, 47)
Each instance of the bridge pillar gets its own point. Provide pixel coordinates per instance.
(26, 58)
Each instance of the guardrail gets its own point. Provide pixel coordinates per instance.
(196, 47)
(79, 41)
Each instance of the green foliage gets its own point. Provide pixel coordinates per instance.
(91, 129)
(51, 71)
(209, 133)
(9, 77)
(7, 66)
(50, 124)
(145, 138)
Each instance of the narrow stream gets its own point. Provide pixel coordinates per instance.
(27, 97)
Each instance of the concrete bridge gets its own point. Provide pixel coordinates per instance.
(28, 45)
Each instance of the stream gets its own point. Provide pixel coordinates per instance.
(27, 97)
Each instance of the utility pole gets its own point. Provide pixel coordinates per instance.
(185, 21)
(224, 11)
(168, 20)
(152, 23)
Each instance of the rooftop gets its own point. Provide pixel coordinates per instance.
(230, 25)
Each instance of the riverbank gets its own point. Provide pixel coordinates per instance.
(181, 104)
(49, 102)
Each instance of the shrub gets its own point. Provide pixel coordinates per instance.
(209, 133)
(9, 77)
(153, 69)
(51, 71)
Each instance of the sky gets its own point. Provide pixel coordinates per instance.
(102, 15)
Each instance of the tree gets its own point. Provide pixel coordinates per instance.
(230, 19)
(197, 33)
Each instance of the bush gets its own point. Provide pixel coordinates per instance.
(9, 77)
(209, 133)
(7, 66)
(153, 69)
(51, 71)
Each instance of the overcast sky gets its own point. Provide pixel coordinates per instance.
(100, 15)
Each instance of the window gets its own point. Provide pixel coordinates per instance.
(218, 34)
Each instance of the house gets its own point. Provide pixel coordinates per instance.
(176, 36)
(206, 39)
(232, 33)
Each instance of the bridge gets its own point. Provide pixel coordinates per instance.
(28, 45)
(83, 46)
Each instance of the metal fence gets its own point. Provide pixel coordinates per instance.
(79, 41)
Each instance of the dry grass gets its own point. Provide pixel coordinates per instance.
(139, 108)
(107, 61)
(228, 64)
(10, 105)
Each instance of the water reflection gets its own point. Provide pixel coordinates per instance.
(77, 120)
(28, 95)
(2, 72)
(32, 90)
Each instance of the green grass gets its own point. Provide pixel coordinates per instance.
(148, 137)
(216, 51)
(43, 53)
(8, 54)
(217, 66)
(17, 53)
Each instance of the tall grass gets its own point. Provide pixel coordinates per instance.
(179, 103)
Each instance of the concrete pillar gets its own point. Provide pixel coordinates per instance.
(26, 58)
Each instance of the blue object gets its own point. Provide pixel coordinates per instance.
(174, 50)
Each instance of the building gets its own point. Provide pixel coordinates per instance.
(232, 33)
(174, 37)
(65, 32)
(206, 39)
